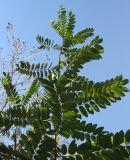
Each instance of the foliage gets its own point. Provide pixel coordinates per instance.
(53, 121)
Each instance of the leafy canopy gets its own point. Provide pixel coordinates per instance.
(54, 123)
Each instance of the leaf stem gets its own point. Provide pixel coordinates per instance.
(57, 132)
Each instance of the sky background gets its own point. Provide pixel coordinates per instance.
(111, 21)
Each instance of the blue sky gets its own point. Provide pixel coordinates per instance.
(110, 19)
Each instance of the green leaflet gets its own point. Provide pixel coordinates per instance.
(72, 147)
(63, 149)
(83, 111)
(127, 136)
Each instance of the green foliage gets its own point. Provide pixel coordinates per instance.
(31, 90)
(46, 43)
(53, 120)
(10, 89)
(38, 70)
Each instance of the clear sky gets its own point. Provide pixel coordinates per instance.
(110, 19)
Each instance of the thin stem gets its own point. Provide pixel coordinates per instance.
(56, 146)
(15, 140)
(59, 64)
(4, 106)
(57, 132)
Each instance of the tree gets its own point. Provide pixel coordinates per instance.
(51, 123)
